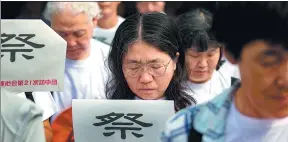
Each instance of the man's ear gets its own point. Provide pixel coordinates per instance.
(229, 57)
(94, 20)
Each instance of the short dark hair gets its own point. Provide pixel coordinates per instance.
(237, 23)
(195, 28)
(159, 31)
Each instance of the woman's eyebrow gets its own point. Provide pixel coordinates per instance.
(154, 60)
(132, 61)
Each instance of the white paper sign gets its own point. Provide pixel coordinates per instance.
(32, 56)
(120, 120)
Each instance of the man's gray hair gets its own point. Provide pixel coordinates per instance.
(91, 9)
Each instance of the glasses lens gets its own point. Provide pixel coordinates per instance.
(157, 69)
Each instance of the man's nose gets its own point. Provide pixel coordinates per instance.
(71, 41)
(283, 76)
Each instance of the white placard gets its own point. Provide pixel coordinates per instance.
(32, 56)
(137, 120)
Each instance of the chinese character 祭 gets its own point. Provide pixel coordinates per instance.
(111, 117)
(21, 37)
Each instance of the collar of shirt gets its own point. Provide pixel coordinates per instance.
(209, 119)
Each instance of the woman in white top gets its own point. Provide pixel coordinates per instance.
(147, 62)
(202, 56)
(108, 23)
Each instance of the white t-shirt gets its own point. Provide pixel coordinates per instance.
(229, 69)
(241, 128)
(106, 35)
(84, 79)
(206, 91)
(45, 102)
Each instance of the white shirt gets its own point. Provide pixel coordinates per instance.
(241, 128)
(84, 79)
(106, 35)
(229, 69)
(45, 102)
(206, 91)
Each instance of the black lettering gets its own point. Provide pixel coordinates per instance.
(21, 37)
(108, 118)
(111, 117)
(136, 116)
(9, 37)
(123, 130)
(25, 40)
(13, 53)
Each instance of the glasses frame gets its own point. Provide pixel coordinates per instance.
(141, 68)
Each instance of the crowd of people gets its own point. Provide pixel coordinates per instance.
(226, 71)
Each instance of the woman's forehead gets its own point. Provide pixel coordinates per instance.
(144, 49)
(143, 60)
(145, 57)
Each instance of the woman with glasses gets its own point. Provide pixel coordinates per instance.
(202, 56)
(147, 61)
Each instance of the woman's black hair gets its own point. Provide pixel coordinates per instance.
(238, 23)
(159, 31)
(195, 28)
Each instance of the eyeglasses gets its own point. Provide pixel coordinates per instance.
(154, 69)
